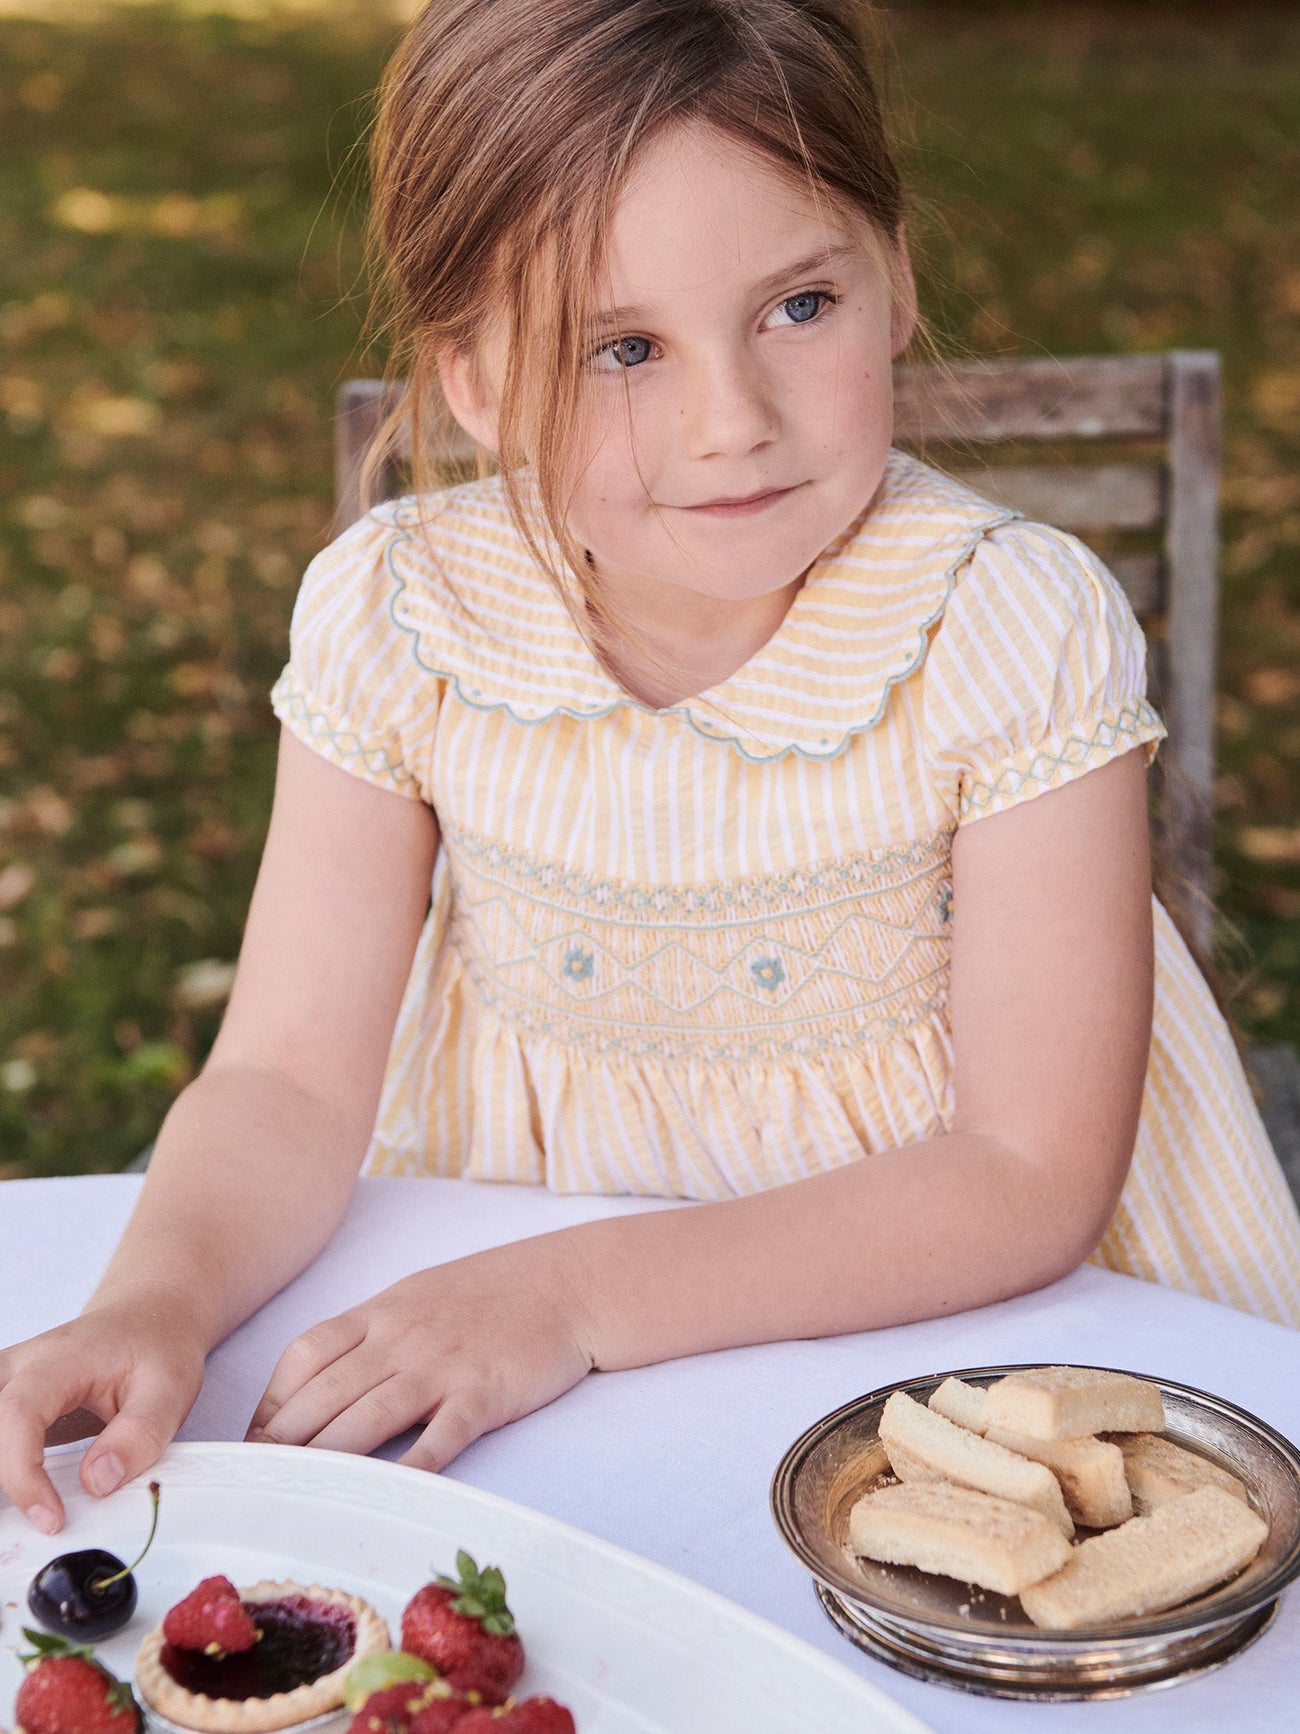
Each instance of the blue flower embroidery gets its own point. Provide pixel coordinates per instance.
(945, 904)
(767, 972)
(578, 964)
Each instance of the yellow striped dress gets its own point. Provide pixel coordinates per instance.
(700, 951)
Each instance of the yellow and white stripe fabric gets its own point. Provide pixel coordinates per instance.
(705, 950)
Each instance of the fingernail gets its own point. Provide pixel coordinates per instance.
(45, 1520)
(254, 1436)
(105, 1473)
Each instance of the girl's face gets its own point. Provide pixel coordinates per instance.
(743, 420)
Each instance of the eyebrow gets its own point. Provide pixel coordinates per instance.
(823, 259)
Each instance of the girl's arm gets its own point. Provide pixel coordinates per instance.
(1052, 976)
(258, 1156)
(1051, 1013)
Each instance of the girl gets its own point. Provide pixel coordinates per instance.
(784, 802)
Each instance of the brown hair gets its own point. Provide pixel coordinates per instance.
(506, 131)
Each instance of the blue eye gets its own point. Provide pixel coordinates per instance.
(625, 352)
(802, 308)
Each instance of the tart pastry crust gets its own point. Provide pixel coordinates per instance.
(283, 1710)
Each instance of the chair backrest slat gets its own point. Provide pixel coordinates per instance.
(1192, 624)
(988, 402)
(1078, 496)
(1142, 579)
(359, 413)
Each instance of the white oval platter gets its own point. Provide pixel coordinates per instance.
(626, 1644)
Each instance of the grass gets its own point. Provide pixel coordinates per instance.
(179, 296)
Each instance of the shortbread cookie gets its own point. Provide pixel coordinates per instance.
(1072, 1402)
(924, 1446)
(958, 1533)
(1158, 1471)
(1090, 1473)
(960, 1403)
(1149, 1563)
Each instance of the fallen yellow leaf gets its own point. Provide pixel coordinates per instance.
(1279, 844)
(87, 210)
(1272, 685)
(116, 417)
(16, 880)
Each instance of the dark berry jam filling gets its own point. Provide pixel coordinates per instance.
(301, 1641)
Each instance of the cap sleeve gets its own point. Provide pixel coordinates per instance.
(352, 690)
(1036, 672)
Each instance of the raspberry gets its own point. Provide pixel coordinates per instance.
(211, 1618)
(410, 1707)
(529, 1716)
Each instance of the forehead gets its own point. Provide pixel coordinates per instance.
(701, 211)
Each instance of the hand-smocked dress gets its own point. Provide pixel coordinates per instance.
(700, 951)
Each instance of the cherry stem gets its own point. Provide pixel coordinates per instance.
(102, 1583)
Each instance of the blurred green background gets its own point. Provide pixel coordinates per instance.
(180, 293)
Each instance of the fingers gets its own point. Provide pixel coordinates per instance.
(154, 1403)
(311, 1368)
(26, 1410)
(350, 1406)
(457, 1423)
(303, 1361)
(355, 1403)
(375, 1417)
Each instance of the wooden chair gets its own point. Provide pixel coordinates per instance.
(1153, 516)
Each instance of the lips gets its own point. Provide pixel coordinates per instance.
(739, 499)
(741, 505)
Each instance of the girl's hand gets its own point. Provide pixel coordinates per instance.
(137, 1364)
(465, 1347)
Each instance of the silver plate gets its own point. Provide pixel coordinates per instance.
(958, 1635)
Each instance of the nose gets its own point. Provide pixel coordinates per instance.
(728, 407)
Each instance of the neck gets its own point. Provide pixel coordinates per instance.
(664, 644)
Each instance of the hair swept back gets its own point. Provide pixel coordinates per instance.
(506, 131)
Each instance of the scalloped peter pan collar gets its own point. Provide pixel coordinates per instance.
(481, 614)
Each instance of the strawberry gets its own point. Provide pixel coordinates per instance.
(399, 1709)
(212, 1619)
(66, 1691)
(464, 1628)
(529, 1716)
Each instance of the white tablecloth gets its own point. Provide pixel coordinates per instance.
(674, 1461)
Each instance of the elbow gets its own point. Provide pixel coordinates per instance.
(1065, 1201)
(1077, 1236)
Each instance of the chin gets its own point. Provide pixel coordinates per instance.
(745, 585)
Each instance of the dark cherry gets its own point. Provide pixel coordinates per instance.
(299, 1640)
(89, 1594)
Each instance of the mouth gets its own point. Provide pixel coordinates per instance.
(743, 506)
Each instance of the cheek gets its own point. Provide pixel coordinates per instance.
(852, 395)
(610, 457)
(603, 494)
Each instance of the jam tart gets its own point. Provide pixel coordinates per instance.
(308, 1638)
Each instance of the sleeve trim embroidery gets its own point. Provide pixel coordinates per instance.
(315, 728)
(1130, 726)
